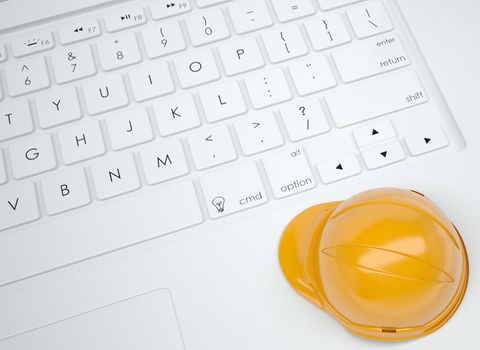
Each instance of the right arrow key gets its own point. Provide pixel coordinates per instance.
(426, 141)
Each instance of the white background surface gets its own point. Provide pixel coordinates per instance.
(228, 290)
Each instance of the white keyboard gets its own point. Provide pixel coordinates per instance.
(157, 115)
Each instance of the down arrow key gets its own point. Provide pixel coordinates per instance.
(386, 154)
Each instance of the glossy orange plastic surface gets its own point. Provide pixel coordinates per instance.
(387, 263)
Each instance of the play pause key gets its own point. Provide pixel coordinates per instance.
(383, 155)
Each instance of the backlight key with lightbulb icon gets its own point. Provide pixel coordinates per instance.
(233, 189)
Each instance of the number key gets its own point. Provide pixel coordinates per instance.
(73, 63)
(118, 51)
(163, 39)
(26, 76)
(208, 27)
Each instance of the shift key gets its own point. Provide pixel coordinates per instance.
(384, 95)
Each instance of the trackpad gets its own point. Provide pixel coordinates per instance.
(146, 322)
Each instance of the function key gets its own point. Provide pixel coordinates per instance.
(331, 4)
(205, 3)
(79, 31)
(166, 8)
(127, 18)
(31, 43)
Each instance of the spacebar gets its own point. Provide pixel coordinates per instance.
(109, 226)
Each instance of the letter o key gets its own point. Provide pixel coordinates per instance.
(195, 66)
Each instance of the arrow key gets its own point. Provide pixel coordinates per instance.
(426, 141)
(339, 168)
(383, 155)
(368, 135)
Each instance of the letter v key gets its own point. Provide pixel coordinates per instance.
(20, 208)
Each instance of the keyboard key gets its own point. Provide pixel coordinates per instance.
(208, 27)
(370, 58)
(382, 155)
(86, 29)
(426, 141)
(115, 176)
(129, 128)
(339, 168)
(118, 51)
(58, 107)
(73, 63)
(32, 156)
(129, 17)
(164, 8)
(65, 190)
(284, 44)
(163, 39)
(293, 9)
(26, 76)
(176, 114)
(328, 31)
(195, 68)
(249, 15)
(170, 208)
(104, 94)
(233, 189)
(18, 205)
(163, 161)
(369, 20)
(32, 43)
(258, 133)
(304, 119)
(3, 171)
(149, 81)
(81, 142)
(289, 172)
(375, 98)
(3, 54)
(15, 119)
(331, 4)
(205, 3)
(211, 147)
(312, 75)
(241, 56)
(222, 101)
(374, 133)
(267, 88)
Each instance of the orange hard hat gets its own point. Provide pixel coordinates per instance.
(387, 263)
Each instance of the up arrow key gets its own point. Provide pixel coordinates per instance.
(339, 167)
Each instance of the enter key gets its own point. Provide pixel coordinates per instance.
(289, 172)
(370, 58)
